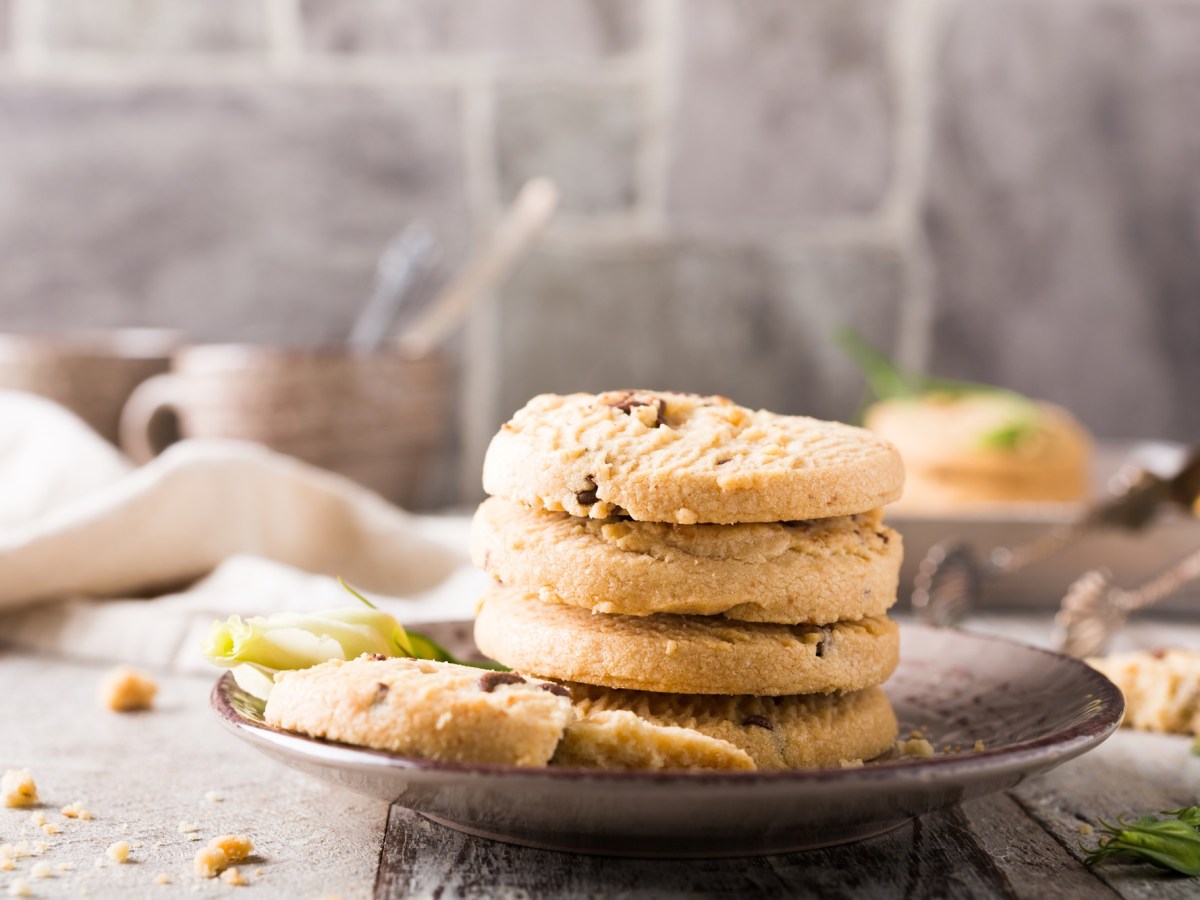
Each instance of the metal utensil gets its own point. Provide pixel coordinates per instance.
(952, 576)
(1094, 609)
(406, 261)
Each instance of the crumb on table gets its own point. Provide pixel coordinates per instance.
(41, 870)
(233, 876)
(76, 811)
(20, 888)
(1085, 828)
(162, 878)
(17, 788)
(125, 689)
(118, 852)
(220, 852)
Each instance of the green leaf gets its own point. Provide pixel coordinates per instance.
(1008, 437)
(884, 378)
(1172, 844)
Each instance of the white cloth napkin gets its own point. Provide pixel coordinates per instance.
(207, 529)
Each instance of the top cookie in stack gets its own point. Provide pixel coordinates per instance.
(679, 544)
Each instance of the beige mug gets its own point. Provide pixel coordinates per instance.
(379, 418)
(91, 373)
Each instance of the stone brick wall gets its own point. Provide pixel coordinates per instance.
(1005, 190)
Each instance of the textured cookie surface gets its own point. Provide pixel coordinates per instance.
(664, 457)
(620, 739)
(422, 708)
(683, 654)
(820, 571)
(775, 732)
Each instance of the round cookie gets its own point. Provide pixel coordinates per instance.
(666, 457)
(984, 449)
(683, 654)
(817, 572)
(422, 708)
(793, 732)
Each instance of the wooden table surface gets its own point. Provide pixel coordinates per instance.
(144, 774)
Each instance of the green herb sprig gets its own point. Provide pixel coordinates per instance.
(887, 381)
(1171, 843)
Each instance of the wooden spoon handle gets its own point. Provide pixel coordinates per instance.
(508, 242)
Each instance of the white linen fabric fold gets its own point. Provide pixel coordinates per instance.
(208, 529)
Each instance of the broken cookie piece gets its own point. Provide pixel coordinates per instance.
(423, 708)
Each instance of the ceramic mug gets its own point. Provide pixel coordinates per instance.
(378, 418)
(91, 373)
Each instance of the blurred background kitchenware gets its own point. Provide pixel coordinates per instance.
(92, 373)
(401, 273)
(1095, 608)
(491, 264)
(378, 419)
(1145, 521)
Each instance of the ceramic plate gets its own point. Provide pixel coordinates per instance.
(1032, 709)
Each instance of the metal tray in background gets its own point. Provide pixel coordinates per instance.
(1132, 558)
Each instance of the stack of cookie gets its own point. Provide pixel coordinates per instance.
(704, 567)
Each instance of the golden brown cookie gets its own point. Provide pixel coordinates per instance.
(421, 708)
(619, 739)
(820, 571)
(663, 457)
(683, 654)
(984, 449)
(775, 732)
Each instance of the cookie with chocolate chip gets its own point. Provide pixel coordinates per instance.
(656, 456)
(821, 571)
(683, 654)
(773, 732)
(417, 707)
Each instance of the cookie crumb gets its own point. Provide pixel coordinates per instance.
(38, 818)
(186, 827)
(64, 867)
(17, 788)
(916, 748)
(6, 864)
(162, 878)
(118, 852)
(233, 876)
(76, 811)
(979, 746)
(213, 797)
(40, 847)
(50, 828)
(126, 689)
(41, 870)
(850, 763)
(220, 852)
(20, 888)
(1085, 828)
(194, 836)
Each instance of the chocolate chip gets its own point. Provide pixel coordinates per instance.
(381, 692)
(758, 722)
(721, 462)
(825, 635)
(377, 657)
(489, 681)
(629, 401)
(556, 689)
(882, 535)
(587, 496)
